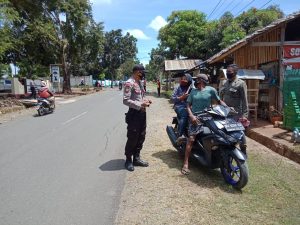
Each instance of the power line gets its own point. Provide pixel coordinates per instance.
(214, 9)
(236, 5)
(225, 9)
(265, 4)
(220, 6)
(245, 7)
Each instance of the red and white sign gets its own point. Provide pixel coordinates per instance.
(291, 57)
(291, 51)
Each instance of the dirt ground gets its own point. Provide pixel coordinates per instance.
(159, 194)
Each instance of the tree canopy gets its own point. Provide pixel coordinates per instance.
(188, 34)
(184, 34)
(37, 33)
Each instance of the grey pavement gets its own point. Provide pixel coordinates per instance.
(66, 167)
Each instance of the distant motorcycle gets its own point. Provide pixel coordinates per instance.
(217, 146)
(45, 106)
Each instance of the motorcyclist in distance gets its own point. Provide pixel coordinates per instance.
(44, 92)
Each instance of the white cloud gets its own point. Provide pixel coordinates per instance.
(138, 34)
(100, 2)
(158, 23)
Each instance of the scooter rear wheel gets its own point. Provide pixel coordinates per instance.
(235, 171)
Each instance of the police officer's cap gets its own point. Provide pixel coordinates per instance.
(203, 77)
(138, 67)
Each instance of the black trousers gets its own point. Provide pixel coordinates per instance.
(136, 132)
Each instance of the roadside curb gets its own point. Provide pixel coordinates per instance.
(275, 146)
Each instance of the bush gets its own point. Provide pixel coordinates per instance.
(168, 94)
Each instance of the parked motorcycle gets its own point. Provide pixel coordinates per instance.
(45, 106)
(217, 146)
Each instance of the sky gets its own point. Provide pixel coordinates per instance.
(144, 18)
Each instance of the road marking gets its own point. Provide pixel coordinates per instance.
(67, 101)
(74, 118)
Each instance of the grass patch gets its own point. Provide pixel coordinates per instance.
(168, 94)
(272, 195)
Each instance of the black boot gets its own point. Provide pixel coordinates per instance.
(128, 165)
(138, 162)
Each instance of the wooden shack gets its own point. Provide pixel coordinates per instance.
(264, 50)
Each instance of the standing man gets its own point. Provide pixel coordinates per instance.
(158, 87)
(234, 94)
(135, 117)
(33, 90)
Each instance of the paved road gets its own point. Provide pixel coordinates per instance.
(64, 168)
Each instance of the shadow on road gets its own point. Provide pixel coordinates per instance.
(113, 165)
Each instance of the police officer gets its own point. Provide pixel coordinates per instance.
(135, 117)
(234, 94)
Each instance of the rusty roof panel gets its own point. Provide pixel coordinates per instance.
(179, 65)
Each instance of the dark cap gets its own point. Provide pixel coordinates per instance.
(138, 67)
(202, 77)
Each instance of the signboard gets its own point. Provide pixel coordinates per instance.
(291, 51)
(54, 70)
(291, 55)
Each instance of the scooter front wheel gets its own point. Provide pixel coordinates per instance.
(41, 111)
(235, 171)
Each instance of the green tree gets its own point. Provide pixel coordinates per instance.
(184, 34)
(254, 19)
(156, 64)
(126, 69)
(214, 33)
(232, 34)
(42, 38)
(8, 42)
(5, 70)
(117, 50)
(101, 76)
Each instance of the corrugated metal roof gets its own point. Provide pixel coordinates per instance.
(180, 65)
(246, 39)
(248, 74)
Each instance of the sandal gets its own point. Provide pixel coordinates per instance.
(185, 171)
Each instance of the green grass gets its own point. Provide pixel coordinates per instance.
(272, 195)
(168, 94)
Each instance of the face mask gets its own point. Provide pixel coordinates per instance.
(183, 83)
(230, 75)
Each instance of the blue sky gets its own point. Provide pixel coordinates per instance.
(143, 18)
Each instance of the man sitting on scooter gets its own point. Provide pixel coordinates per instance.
(200, 98)
(179, 98)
